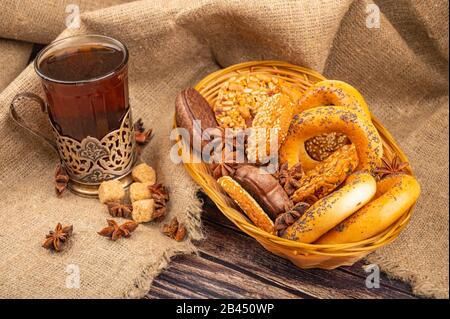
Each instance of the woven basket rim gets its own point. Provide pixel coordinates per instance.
(243, 223)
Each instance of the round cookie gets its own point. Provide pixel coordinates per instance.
(240, 98)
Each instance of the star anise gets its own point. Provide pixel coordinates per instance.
(286, 219)
(143, 138)
(114, 231)
(139, 126)
(160, 195)
(61, 180)
(227, 153)
(55, 238)
(117, 209)
(174, 230)
(226, 166)
(390, 167)
(290, 178)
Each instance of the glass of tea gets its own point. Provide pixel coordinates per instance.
(85, 80)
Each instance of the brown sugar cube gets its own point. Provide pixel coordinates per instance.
(111, 191)
(144, 173)
(139, 191)
(143, 210)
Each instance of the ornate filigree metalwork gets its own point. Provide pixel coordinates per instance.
(92, 161)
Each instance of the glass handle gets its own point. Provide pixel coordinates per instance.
(21, 122)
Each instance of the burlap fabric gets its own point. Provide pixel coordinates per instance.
(400, 67)
(15, 56)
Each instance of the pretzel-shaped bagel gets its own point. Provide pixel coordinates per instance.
(329, 92)
(329, 119)
(395, 194)
(329, 211)
(333, 92)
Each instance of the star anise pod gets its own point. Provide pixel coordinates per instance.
(139, 126)
(174, 230)
(117, 209)
(226, 166)
(55, 238)
(159, 191)
(226, 156)
(61, 180)
(160, 195)
(286, 219)
(143, 138)
(114, 231)
(160, 211)
(390, 167)
(290, 178)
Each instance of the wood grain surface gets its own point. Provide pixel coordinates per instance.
(231, 264)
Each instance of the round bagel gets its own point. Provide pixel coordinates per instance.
(333, 209)
(333, 92)
(329, 119)
(247, 203)
(329, 92)
(395, 194)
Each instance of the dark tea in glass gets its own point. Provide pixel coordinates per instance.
(86, 85)
(85, 80)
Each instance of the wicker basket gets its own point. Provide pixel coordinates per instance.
(302, 255)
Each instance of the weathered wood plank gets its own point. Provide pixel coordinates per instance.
(242, 253)
(212, 214)
(232, 265)
(197, 277)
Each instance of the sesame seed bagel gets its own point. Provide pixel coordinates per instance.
(395, 194)
(247, 203)
(329, 119)
(333, 92)
(329, 211)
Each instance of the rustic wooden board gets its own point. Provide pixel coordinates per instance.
(230, 264)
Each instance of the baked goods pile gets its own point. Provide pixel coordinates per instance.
(305, 165)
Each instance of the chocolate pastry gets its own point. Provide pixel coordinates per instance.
(264, 188)
(247, 203)
(190, 106)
